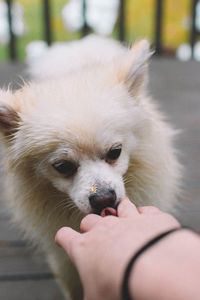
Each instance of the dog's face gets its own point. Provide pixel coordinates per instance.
(89, 163)
(78, 133)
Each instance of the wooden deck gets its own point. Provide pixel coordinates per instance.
(24, 274)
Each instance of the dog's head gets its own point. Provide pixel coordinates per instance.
(79, 132)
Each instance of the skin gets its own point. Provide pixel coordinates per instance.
(168, 270)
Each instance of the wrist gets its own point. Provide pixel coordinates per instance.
(156, 272)
(127, 274)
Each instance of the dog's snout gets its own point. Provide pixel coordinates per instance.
(102, 199)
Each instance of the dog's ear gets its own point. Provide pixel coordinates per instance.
(9, 116)
(134, 67)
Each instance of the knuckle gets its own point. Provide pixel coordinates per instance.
(148, 209)
(108, 221)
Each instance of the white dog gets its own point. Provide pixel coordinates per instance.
(79, 138)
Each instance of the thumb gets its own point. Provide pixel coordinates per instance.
(67, 238)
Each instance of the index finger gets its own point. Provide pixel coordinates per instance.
(67, 238)
(127, 209)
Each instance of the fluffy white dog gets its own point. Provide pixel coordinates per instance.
(80, 137)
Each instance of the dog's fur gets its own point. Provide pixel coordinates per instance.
(86, 97)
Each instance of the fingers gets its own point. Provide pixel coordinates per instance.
(66, 238)
(89, 222)
(126, 209)
(148, 210)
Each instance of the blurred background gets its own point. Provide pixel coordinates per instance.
(29, 27)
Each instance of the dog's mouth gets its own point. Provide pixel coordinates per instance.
(109, 211)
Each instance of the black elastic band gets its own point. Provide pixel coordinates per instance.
(125, 289)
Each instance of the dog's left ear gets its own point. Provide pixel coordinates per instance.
(133, 71)
(9, 116)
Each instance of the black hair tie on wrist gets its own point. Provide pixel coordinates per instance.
(125, 289)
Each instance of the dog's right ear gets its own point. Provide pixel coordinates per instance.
(9, 116)
(132, 69)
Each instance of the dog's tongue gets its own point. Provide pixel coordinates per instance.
(109, 211)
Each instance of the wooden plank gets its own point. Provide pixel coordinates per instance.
(20, 261)
(8, 232)
(30, 290)
(9, 73)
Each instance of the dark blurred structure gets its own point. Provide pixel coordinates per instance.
(158, 30)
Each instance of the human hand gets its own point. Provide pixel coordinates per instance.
(103, 249)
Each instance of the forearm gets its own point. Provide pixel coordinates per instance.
(169, 270)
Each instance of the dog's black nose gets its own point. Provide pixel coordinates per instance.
(102, 199)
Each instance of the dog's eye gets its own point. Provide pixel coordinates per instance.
(114, 153)
(65, 167)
